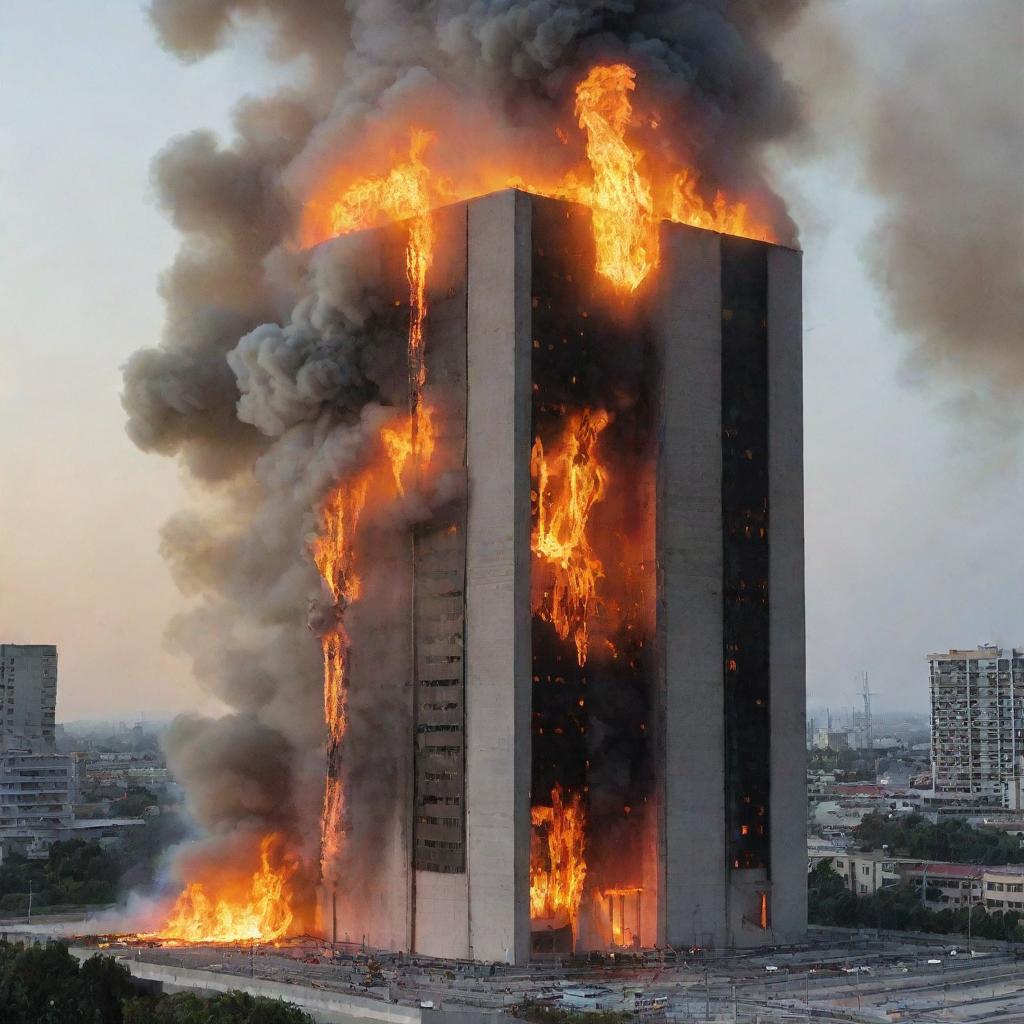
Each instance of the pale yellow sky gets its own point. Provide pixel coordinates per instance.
(88, 98)
(909, 528)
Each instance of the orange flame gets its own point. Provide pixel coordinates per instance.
(413, 434)
(620, 197)
(262, 913)
(404, 193)
(334, 558)
(566, 486)
(558, 867)
(728, 218)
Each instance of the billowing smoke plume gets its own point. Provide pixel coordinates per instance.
(931, 109)
(269, 384)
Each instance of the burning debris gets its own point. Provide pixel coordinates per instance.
(318, 440)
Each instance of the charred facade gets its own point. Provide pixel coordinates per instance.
(594, 659)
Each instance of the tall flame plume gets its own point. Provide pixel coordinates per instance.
(567, 483)
(334, 557)
(625, 232)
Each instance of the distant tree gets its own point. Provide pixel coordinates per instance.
(135, 801)
(103, 985)
(227, 1008)
(44, 985)
(951, 839)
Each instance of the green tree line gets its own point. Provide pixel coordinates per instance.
(899, 908)
(46, 985)
(77, 872)
(950, 840)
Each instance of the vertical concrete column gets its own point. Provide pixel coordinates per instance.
(687, 324)
(786, 586)
(498, 680)
(441, 915)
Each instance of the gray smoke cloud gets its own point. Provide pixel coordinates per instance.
(272, 378)
(931, 113)
(945, 151)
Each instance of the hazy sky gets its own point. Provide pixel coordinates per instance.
(912, 522)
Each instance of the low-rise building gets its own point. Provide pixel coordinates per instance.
(832, 739)
(1004, 888)
(866, 873)
(34, 842)
(945, 885)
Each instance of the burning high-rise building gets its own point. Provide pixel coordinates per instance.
(479, 336)
(594, 644)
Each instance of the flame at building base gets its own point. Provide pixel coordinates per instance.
(558, 867)
(261, 910)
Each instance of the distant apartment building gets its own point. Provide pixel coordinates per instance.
(38, 793)
(28, 696)
(38, 787)
(832, 739)
(36, 790)
(998, 887)
(977, 705)
(866, 873)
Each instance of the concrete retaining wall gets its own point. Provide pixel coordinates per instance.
(332, 1007)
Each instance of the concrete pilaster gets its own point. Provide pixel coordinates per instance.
(687, 324)
(498, 578)
(788, 673)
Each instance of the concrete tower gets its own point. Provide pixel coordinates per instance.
(665, 706)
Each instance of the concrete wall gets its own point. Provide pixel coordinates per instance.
(442, 914)
(689, 546)
(498, 579)
(788, 671)
(320, 1004)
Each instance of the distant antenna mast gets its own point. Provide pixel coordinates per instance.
(866, 694)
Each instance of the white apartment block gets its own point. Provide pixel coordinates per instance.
(36, 790)
(977, 704)
(1004, 888)
(28, 696)
(866, 873)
